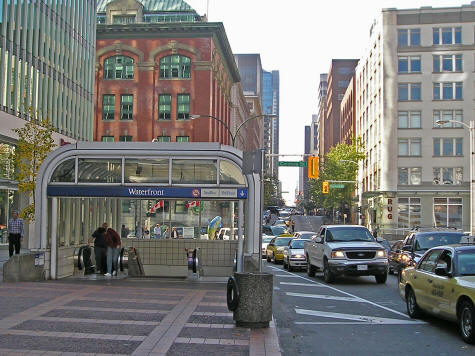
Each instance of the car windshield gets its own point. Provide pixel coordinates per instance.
(278, 230)
(282, 241)
(297, 243)
(427, 241)
(307, 235)
(466, 262)
(284, 215)
(266, 239)
(279, 222)
(349, 234)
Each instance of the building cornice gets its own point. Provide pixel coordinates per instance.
(214, 30)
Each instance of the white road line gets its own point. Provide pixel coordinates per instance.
(329, 297)
(284, 275)
(402, 322)
(343, 292)
(361, 318)
(300, 284)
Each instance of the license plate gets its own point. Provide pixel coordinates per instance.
(362, 267)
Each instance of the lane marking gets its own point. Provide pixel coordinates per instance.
(284, 275)
(360, 318)
(299, 284)
(343, 292)
(328, 297)
(402, 322)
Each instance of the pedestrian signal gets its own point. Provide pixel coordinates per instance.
(325, 187)
(312, 167)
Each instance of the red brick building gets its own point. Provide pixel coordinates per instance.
(348, 113)
(153, 74)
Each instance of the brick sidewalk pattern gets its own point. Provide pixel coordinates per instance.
(125, 317)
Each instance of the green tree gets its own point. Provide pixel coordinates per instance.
(339, 164)
(271, 191)
(35, 141)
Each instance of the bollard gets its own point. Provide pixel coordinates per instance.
(250, 299)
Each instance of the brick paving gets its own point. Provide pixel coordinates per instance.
(125, 317)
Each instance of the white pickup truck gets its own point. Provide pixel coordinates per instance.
(346, 250)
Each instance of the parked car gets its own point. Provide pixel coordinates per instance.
(294, 256)
(394, 255)
(346, 250)
(418, 241)
(443, 284)
(265, 241)
(305, 234)
(274, 230)
(275, 248)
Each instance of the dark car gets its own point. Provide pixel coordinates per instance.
(272, 230)
(417, 242)
(394, 255)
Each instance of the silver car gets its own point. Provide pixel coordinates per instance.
(294, 256)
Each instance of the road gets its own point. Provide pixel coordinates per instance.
(354, 316)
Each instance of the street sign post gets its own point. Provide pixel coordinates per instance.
(336, 186)
(292, 164)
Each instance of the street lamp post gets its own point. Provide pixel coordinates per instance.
(471, 129)
(360, 189)
(233, 136)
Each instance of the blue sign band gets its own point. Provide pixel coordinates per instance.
(133, 192)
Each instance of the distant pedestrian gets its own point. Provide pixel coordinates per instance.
(124, 232)
(157, 232)
(112, 240)
(100, 246)
(15, 233)
(166, 233)
(293, 225)
(174, 233)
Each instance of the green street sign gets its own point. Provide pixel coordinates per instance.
(336, 186)
(292, 163)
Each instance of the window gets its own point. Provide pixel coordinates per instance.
(446, 35)
(146, 170)
(163, 138)
(123, 19)
(448, 91)
(340, 96)
(448, 63)
(345, 70)
(409, 64)
(448, 212)
(182, 139)
(450, 175)
(409, 176)
(107, 138)
(409, 37)
(108, 107)
(119, 67)
(99, 170)
(126, 107)
(409, 212)
(187, 171)
(409, 147)
(125, 138)
(429, 262)
(448, 146)
(175, 66)
(409, 119)
(164, 107)
(409, 91)
(446, 115)
(183, 106)
(343, 83)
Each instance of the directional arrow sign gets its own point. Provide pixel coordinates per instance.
(336, 186)
(292, 163)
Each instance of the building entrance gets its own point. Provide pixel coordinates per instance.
(163, 199)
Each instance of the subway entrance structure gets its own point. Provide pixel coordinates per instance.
(138, 186)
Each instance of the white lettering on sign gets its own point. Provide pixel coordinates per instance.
(209, 193)
(147, 192)
(228, 193)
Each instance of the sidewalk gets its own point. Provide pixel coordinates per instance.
(125, 317)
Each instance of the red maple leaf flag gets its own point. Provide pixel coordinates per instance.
(158, 205)
(192, 204)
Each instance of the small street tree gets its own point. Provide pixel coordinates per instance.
(35, 141)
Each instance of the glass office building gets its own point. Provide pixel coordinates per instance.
(47, 62)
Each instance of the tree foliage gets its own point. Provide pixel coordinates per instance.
(339, 165)
(271, 192)
(35, 141)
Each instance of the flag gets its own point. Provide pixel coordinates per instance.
(158, 205)
(192, 204)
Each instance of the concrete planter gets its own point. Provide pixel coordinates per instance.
(24, 268)
(254, 309)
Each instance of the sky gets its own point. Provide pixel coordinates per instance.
(299, 38)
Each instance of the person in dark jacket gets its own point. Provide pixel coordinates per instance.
(100, 246)
(113, 250)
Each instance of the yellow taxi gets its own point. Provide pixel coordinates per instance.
(275, 248)
(443, 284)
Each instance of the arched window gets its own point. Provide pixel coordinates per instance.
(119, 67)
(175, 66)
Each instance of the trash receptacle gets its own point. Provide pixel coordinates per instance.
(249, 297)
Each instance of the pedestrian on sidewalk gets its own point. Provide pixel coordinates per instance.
(112, 239)
(157, 232)
(15, 233)
(293, 225)
(100, 246)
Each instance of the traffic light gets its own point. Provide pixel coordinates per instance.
(359, 209)
(312, 166)
(325, 187)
